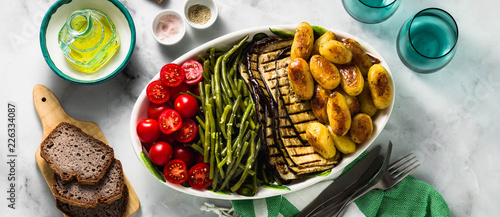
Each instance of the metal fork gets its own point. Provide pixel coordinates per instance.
(396, 172)
(383, 180)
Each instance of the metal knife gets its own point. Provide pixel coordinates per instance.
(345, 180)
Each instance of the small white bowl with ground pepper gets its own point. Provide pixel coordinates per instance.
(168, 27)
(200, 14)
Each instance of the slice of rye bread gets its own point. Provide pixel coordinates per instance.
(116, 208)
(111, 188)
(71, 153)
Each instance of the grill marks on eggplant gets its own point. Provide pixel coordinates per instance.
(286, 116)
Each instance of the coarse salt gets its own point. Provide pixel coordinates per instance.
(169, 27)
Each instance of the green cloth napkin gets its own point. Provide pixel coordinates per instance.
(410, 197)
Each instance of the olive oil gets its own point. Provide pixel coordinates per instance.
(88, 39)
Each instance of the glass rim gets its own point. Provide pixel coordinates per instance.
(454, 22)
(387, 5)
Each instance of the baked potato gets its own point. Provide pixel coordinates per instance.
(324, 72)
(329, 35)
(335, 52)
(359, 56)
(319, 102)
(339, 115)
(352, 102)
(352, 80)
(366, 102)
(344, 144)
(303, 42)
(361, 128)
(380, 86)
(301, 79)
(320, 139)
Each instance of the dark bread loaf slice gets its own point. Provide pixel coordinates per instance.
(113, 209)
(108, 190)
(70, 152)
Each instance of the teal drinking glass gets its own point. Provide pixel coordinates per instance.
(427, 41)
(371, 11)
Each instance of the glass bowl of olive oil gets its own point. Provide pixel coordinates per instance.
(87, 41)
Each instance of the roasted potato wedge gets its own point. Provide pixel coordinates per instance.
(380, 86)
(361, 128)
(324, 72)
(329, 35)
(352, 80)
(303, 42)
(352, 102)
(344, 144)
(339, 115)
(320, 139)
(335, 52)
(319, 102)
(366, 102)
(301, 79)
(359, 56)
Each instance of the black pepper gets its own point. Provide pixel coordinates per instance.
(199, 14)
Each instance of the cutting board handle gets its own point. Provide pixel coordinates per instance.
(49, 109)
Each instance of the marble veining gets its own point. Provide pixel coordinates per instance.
(449, 119)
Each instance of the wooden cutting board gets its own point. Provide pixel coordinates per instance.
(51, 114)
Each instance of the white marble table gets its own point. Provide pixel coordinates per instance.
(449, 119)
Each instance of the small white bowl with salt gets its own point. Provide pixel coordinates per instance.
(200, 14)
(168, 27)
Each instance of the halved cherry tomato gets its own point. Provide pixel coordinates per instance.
(160, 153)
(154, 110)
(198, 176)
(169, 121)
(184, 153)
(175, 171)
(186, 105)
(175, 91)
(171, 75)
(148, 130)
(192, 69)
(187, 132)
(158, 92)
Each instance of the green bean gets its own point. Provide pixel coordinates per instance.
(212, 56)
(230, 129)
(192, 94)
(318, 31)
(233, 169)
(151, 167)
(206, 144)
(206, 70)
(222, 122)
(215, 178)
(212, 154)
(217, 158)
(201, 132)
(254, 179)
(201, 122)
(248, 164)
(250, 172)
(222, 162)
(201, 87)
(218, 97)
(282, 33)
(197, 148)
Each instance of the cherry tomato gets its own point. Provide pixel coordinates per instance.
(187, 132)
(185, 154)
(169, 138)
(186, 105)
(160, 153)
(196, 90)
(192, 69)
(198, 176)
(175, 91)
(199, 158)
(171, 75)
(154, 110)
(158, 92)
(175, 171)
(148, 130)
(169, 121)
